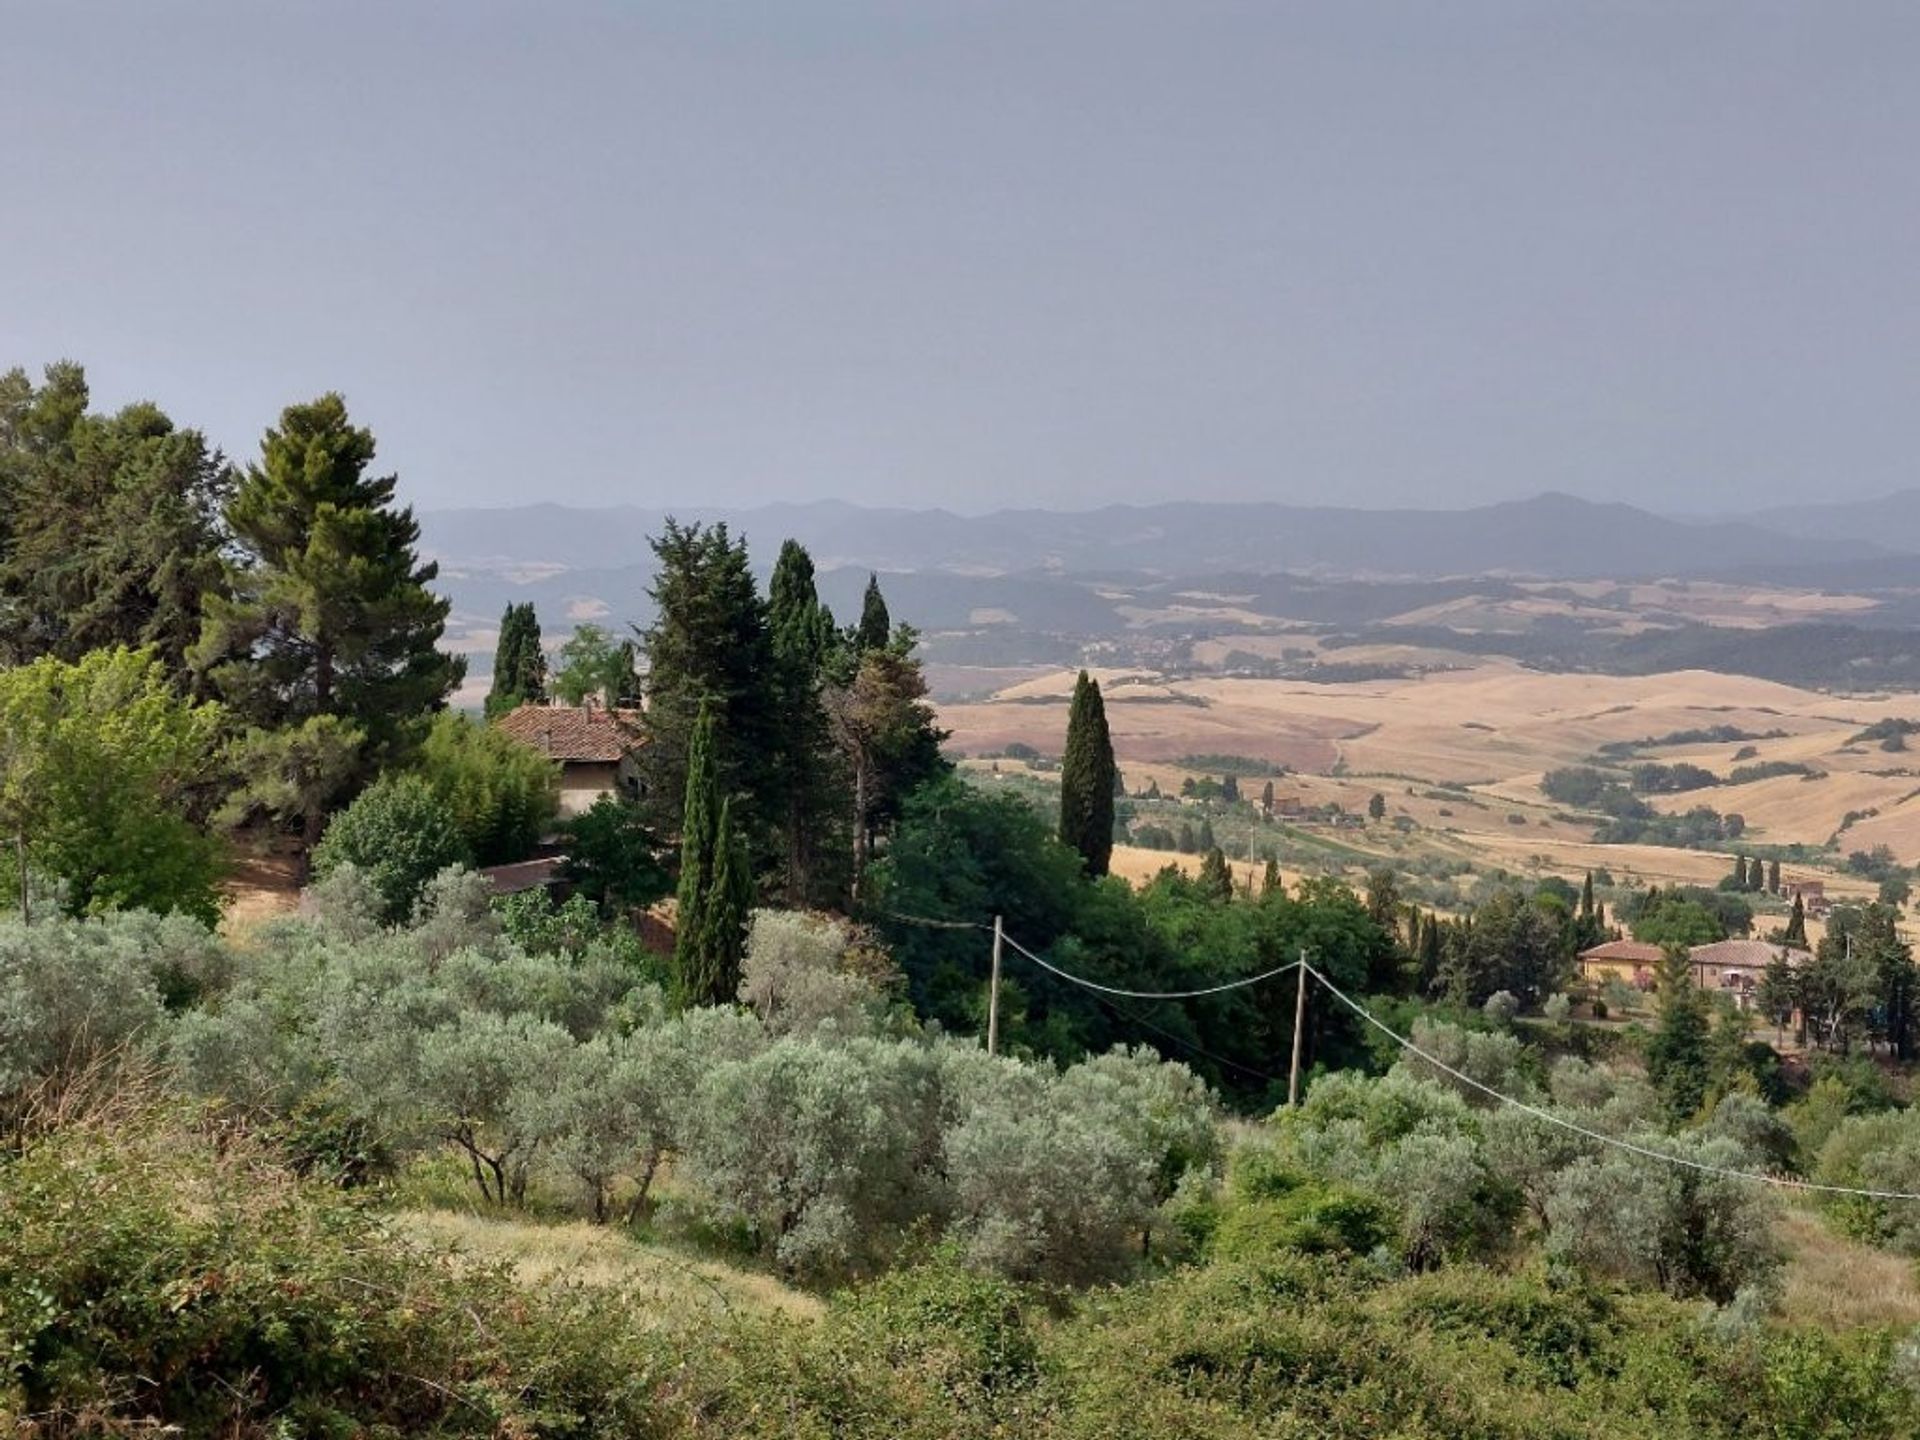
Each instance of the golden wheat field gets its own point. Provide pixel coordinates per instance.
(1488, 731)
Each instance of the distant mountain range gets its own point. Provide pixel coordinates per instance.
(1550, 537)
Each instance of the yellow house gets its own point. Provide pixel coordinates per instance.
(1628, 961)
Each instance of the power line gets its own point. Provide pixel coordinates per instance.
(1151, 994)
(934, 924)
(1644, 1151)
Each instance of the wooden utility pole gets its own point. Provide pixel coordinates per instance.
(993, 995)
(1299, 1029)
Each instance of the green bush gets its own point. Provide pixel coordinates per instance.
(399, 834)
(1314, 1219)
(502, 794)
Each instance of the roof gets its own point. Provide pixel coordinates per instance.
(581, 734)
(1755, 953)
(1629, 950)
(523, 875)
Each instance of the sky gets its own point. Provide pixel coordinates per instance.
(974, 254)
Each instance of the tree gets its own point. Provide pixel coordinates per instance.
(594, 665)
(1216, 876)
(1266, 799)
(708, 648)
(104, 773)
(112, 532)
(519, 662)
(876, 626)
(716, 885)
(885, 732)
(292, 776)
(1270, 879)
(614, 856)
(1796, 932)
(1377, 806)
(1229, 789)
(1773, 876)
(329, 613)
(502, 794)
(804, 641)
(1777, 996)
(1086, 778)
(398, 834)
(1677, 1061)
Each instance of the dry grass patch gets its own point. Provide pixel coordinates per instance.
(1836, 1283)
(595, 1255)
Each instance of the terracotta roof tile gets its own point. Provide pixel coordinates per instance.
(579, 733)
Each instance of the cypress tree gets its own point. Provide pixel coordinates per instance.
(1270, 882)
(699, 845)
(708, 647)
(1739, 876)
(876, 626)
(1204, 840)
(1266, 799)
(1773, 876)
(1086, 778)
(802, 637)
(1586, 897)
(723, 922)
(1216, 876)
(1797, 924)
(1229, 789)
(519, 662)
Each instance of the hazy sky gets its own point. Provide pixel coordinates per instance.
(972, 254)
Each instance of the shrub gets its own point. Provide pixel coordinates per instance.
(501, 794)
(399, 834)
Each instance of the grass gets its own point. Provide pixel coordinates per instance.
(1837, 1284)
(580, 1253)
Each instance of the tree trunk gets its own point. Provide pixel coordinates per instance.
(860, 835)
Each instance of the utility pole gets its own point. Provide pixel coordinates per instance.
(993, 995)
(1299, 1029)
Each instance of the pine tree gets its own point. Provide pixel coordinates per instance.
(519, 662)
(708, 647)
(1677, 1061)
(876, 626)
(1086, 778)
(1216, 876)
(1773, 877)
(330, 613)
(885, 733)
(803, 640)
(1796, 933)
(111, 526)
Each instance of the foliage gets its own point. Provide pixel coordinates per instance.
(519, 662)
(804, 973)
(806, 776)
(502, 794)
(710, 919)
(330, 611)
(399, 834)
(111, 531)
(1087, 777)
(592, 665)
(614, 858)
(102, 770)
(708, 649)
